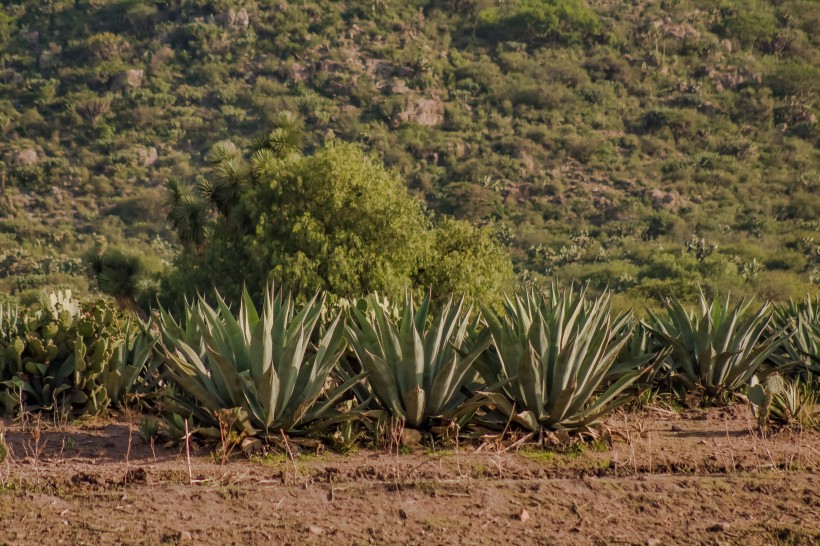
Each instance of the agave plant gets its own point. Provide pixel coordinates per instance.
(641, 344)
(782, 402)
(801, 352)
(417, 364)
(795, 403)
(187, 329)
(134, 368)
(264, 367)
(554, 359)
(718, 348)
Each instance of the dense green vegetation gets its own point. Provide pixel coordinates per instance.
(650, 147)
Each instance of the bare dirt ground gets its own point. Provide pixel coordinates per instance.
(701, 477)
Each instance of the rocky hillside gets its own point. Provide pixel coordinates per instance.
(647, 145)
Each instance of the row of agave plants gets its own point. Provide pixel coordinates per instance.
(546, 361)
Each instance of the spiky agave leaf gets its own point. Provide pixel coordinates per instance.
(417, 364)
(186, 329)
(134, 368)
(262, 363)
(552, 357)
(717, 348)
(801, 351)
(641, 349)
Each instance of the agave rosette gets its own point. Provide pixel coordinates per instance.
(801, 351)
(554, 359)
(264, 366)
(717, 347)
(418, 363)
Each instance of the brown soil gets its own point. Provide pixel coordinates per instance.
(692, 478)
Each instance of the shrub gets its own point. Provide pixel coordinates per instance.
(335, 220)
(539, 21)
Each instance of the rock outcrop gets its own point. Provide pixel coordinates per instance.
(127, 78)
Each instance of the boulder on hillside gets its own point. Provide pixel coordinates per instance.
(399, 87)
(664, 200)
(147, 156)
(234, 20)
(299, 73)
(162, 55)
(427, 112)
(27, 156)
(127, 78)
(48, 57)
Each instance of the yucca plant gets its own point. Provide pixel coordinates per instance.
(552, 357)
(265, 368)
(417, 364)
(718, 347)
(800, 353)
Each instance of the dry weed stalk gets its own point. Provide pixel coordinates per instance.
(128, 450)
(226, 420)
(291, 456)
(34, 448)
(188, 453)
(24, 415)
(5, 457)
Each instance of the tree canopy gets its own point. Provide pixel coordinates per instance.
(333, 220)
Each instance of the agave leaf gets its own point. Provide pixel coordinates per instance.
(288, 369)
(414, 402)
(608, 400)
(267, 392)
(193, 382)
(261, 347)
(529, 370)
(525, 418)
(333, 397)
(451, 376)
(384, 383)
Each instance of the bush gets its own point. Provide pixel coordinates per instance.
(335, 221)
(539, 21)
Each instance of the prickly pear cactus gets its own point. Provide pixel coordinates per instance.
(761, 395)
(54, 355)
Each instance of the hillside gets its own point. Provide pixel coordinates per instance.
(651, 146)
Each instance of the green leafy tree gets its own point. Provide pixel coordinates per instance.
(336, 220)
